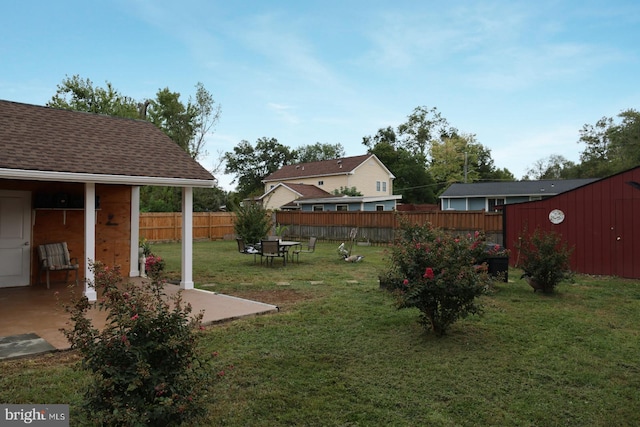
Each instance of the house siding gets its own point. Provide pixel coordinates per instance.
(278, 197)
(367, 175)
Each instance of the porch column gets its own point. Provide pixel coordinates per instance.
(134, 257)
(89, 238)
(187, 238)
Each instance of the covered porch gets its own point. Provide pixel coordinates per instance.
(37, 310)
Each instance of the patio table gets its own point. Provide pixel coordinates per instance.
(288, 244)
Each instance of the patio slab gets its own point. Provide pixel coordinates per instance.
(39, 311)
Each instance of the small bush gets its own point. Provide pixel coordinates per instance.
(437, 274)
(544, 258)
(144, 362)
(252, 222)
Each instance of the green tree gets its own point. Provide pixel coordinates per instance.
(413, 181)
(174, 118)
(252, 222)
(347, 191)
(610, 147)
(77, 94)
(423, 127)
(318, 152)
(251, 165)
(553, 167)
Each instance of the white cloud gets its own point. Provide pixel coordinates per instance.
(284, 112)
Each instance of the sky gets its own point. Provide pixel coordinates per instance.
(524, 77)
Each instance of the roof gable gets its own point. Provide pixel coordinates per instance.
(300, 190)
(42, 139)
(342, 166)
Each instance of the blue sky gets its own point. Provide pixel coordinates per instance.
(523, 76)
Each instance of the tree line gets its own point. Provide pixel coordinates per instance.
(425, 153)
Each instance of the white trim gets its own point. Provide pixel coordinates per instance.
(187, 238)
(103, 178)
(89, 240)
(134, 256)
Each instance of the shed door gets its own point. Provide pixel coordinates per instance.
(15, 238)
(626, 232)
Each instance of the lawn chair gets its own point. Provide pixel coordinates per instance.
(311, 247)
(55, 257)
(271, 249)
(247, 249)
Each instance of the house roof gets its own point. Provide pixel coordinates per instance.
(513, 188)
(302, 190)
(345, 199)
(343, 166)
(51, 144)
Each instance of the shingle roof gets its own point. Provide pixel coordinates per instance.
(322, 168)
(514, 188)
(35, 138)
(306, 190)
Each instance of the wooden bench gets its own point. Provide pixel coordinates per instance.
(55, 257)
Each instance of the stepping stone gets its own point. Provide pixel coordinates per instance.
(23, 345)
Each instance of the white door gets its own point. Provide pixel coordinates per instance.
(15, 238)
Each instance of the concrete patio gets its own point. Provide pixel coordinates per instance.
(29, 310)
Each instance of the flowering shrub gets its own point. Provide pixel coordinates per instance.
(154, 266)
(496, 250)
(144, 362)
(437, 274)
(544, 257)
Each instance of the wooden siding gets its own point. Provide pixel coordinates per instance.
(601, 224)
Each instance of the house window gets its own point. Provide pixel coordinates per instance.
(320, 182)
(318, 208)
(493, 203)
(342, 207)
(377, 185)
(379, 207)
(384, 186)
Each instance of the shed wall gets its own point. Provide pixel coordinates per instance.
(602, 224)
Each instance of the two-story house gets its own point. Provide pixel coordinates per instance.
(311, 186)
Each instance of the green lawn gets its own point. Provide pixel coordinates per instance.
(340, 354)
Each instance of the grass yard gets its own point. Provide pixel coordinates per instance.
(340, 354)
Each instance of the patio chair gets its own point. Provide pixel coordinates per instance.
(55, 257)
(311, 247)
(271, 249)
(247, 249)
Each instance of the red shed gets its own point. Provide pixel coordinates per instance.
(600, 220)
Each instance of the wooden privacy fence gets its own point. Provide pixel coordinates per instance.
(380, 227)
(373, 227)
(167, 226)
